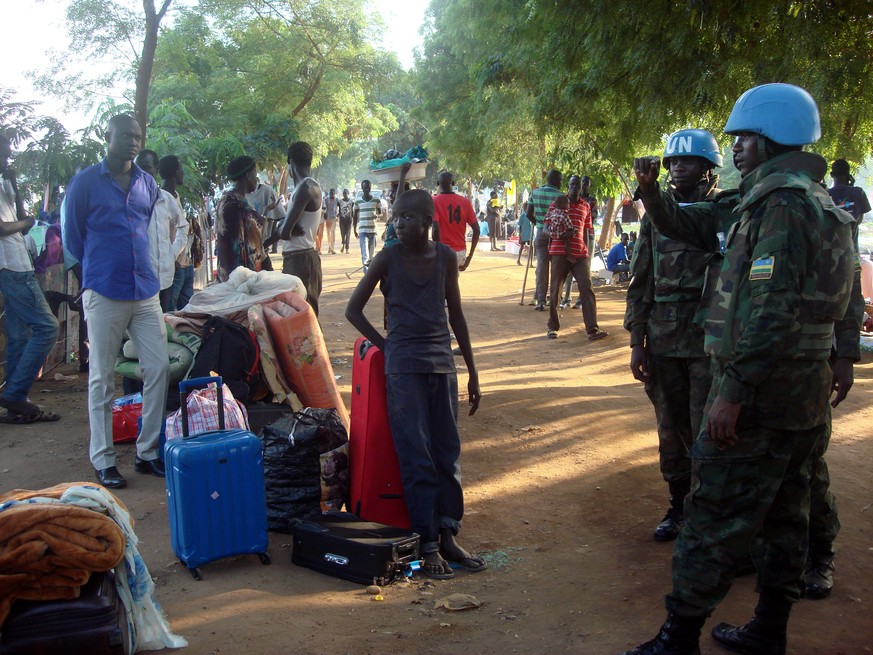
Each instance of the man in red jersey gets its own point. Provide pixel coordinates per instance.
(452, 214)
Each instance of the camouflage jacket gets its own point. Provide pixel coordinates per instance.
(669, 278)
(787, 276)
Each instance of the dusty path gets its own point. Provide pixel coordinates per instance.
(562, 490)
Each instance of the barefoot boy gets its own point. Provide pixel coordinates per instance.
(419, 278)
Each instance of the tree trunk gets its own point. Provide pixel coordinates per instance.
(609, 213)
(146, 62)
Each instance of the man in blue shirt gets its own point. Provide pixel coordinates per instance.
(616, 259)
(108, 210)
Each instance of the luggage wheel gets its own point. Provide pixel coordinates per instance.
(265, 558)
(195, 573)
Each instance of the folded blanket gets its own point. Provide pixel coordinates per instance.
(48, 551)
(243, 289)
(147, 622)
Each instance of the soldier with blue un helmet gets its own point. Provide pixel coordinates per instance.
(665, 293)
(786, 279)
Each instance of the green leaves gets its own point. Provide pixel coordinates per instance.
(261, 74)
(511, 88)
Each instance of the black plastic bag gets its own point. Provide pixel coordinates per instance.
(306, 466)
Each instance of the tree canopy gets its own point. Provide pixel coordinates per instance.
(501, 89)
(586, 87)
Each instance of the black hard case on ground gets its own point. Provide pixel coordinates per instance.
(264, 414)
(344, 546)
(95, 623)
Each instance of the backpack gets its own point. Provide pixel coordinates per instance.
(230, 350)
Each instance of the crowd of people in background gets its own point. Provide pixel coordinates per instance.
(127, 233)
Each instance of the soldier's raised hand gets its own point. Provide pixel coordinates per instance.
(647, 170)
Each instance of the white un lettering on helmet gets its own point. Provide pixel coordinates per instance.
(679, 144)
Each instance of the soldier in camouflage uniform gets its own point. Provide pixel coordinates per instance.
(824, 524)
(786, 279)
(664, 295)
(707, 227)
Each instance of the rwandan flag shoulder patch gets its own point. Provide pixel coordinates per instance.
(762, 269)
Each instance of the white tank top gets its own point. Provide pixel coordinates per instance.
(309, 222)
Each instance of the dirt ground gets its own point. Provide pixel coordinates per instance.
(562, 490)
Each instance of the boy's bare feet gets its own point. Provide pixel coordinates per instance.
(453, 553)
(436, 567)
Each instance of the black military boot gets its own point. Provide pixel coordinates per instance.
(668, 529)
(680, 635)
(818, 576)
(763, 635)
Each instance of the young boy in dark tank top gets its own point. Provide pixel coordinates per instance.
(419, 279)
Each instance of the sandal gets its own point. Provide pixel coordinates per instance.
(597, 334)
(440, 570)
(472, 564)
(14, 418)
(552, 334)
(438, 576)
(20, 407)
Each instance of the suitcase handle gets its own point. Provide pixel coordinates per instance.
(366, 344)
(196, 383)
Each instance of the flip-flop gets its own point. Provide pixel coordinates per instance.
(445, 575)
(20, 407)
(14, 418)
(477, 564)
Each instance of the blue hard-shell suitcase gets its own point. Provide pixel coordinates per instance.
(215, 491)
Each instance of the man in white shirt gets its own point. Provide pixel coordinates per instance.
(170, 170)
(164, 242)
(24, 303)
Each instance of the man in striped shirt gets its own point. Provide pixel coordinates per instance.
(537, 208)
(366, 210)
(578, 191)
(570, 255)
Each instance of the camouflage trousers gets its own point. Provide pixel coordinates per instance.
(678, 388)
(753, 498)
(824, 523)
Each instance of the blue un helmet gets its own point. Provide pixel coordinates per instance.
(783, 113)
(692, 143)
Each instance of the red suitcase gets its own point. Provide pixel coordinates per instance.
(375, 489)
